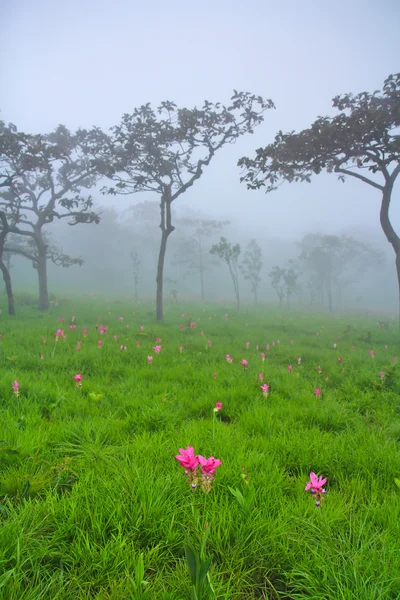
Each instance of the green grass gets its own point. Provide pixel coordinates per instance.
(88, 481)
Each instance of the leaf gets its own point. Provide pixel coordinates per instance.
(25, 491)
(192, 560)
(203, 571)
(397, 482)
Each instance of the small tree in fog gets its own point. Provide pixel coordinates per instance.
(362, 141)
(165, 150)
(277, 276)
(229, 254)
(251, 267)
(136, 272)
(190, 250)
(65, 164)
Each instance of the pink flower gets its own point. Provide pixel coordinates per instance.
(15, 387)
(157, 349)
(122, 347)
(226, 315)
(316, 484)
(228, 357)
(247, 344)
(192, 325)
(218, 406)
(260, 376)
(85, 331)
(215, 375)
(100, 343)
(273, 343)
(209, 465)
(149, 360)
(290, 368)
(121, 319)
(43, 340)
(180, 349)
(382, 375)
(317, 391)
(244, 363)
(319, 369)
(187, 458)
(340, 360)
(264, 388)
(72, 327)
(142, 328)
(138, 343)
(102, 329)
(299, 361)
(180, 326)
(78, 379)
(267, 347)
(262, 355)
(209, 343)
(115, 338)
(372, 353)
(61, 320)
(184, 315)
(158, 340)
(60, 333)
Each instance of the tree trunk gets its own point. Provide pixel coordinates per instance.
(7, 282)
(329, 293)
(42, 277)
(388, 230)
(201, 270)
(166, 230)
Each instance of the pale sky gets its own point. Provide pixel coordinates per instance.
(87, 62)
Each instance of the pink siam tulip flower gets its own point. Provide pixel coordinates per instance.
(149, 360)
(273, 343)
(316, 484)
(317, 391)
(100, 343)
(260, 376)
(247, 344)
(319, 369)
(142, 328)
(382, 375)
(43, 340)
(15, 387)
(184, 315)
(180, 349)
(180, 326)
(262, 355)
(215, 375)
(60, 333)
(228, 357)
(264, 388)
(138, 343)
(299, 361)
(244, 363)
(192, 325)
(340, 360)
(121, 319)
(72, 327)
(226, 315)
(115, 338)
(61, 320)
(103, 329)
(209, 465)
(122, 347)
(372, 353)
(85, 329)
(187, 459)
(157, 349)
(209, 343)
(290, 368)
(218, 406)
(267, 347)
(78, 380)
(158, 340)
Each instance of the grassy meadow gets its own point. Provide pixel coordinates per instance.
(93, 504)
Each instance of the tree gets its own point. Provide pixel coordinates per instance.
(26, 247)
(230, 255)
(251, 267)
(165, 150)
(190, 250)
(334, 262)
(277, 276)
(136, 272)
(362, 137)
(65, 164)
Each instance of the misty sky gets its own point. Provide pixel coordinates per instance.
(86, 62)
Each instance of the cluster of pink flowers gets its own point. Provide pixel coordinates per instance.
(102, 329)
(244, 363)
(198, 469)
(78, 379)
(157, 349)
(15, 387)
(316, 488)
(264, 388)
(229, 359)
(60, 333)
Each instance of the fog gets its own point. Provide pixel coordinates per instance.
(86, 63)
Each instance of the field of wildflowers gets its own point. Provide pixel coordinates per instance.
(215, 456)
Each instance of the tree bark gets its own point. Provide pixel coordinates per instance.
(201, 270)
(166, 230)
(5, 271)
(42, 276)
